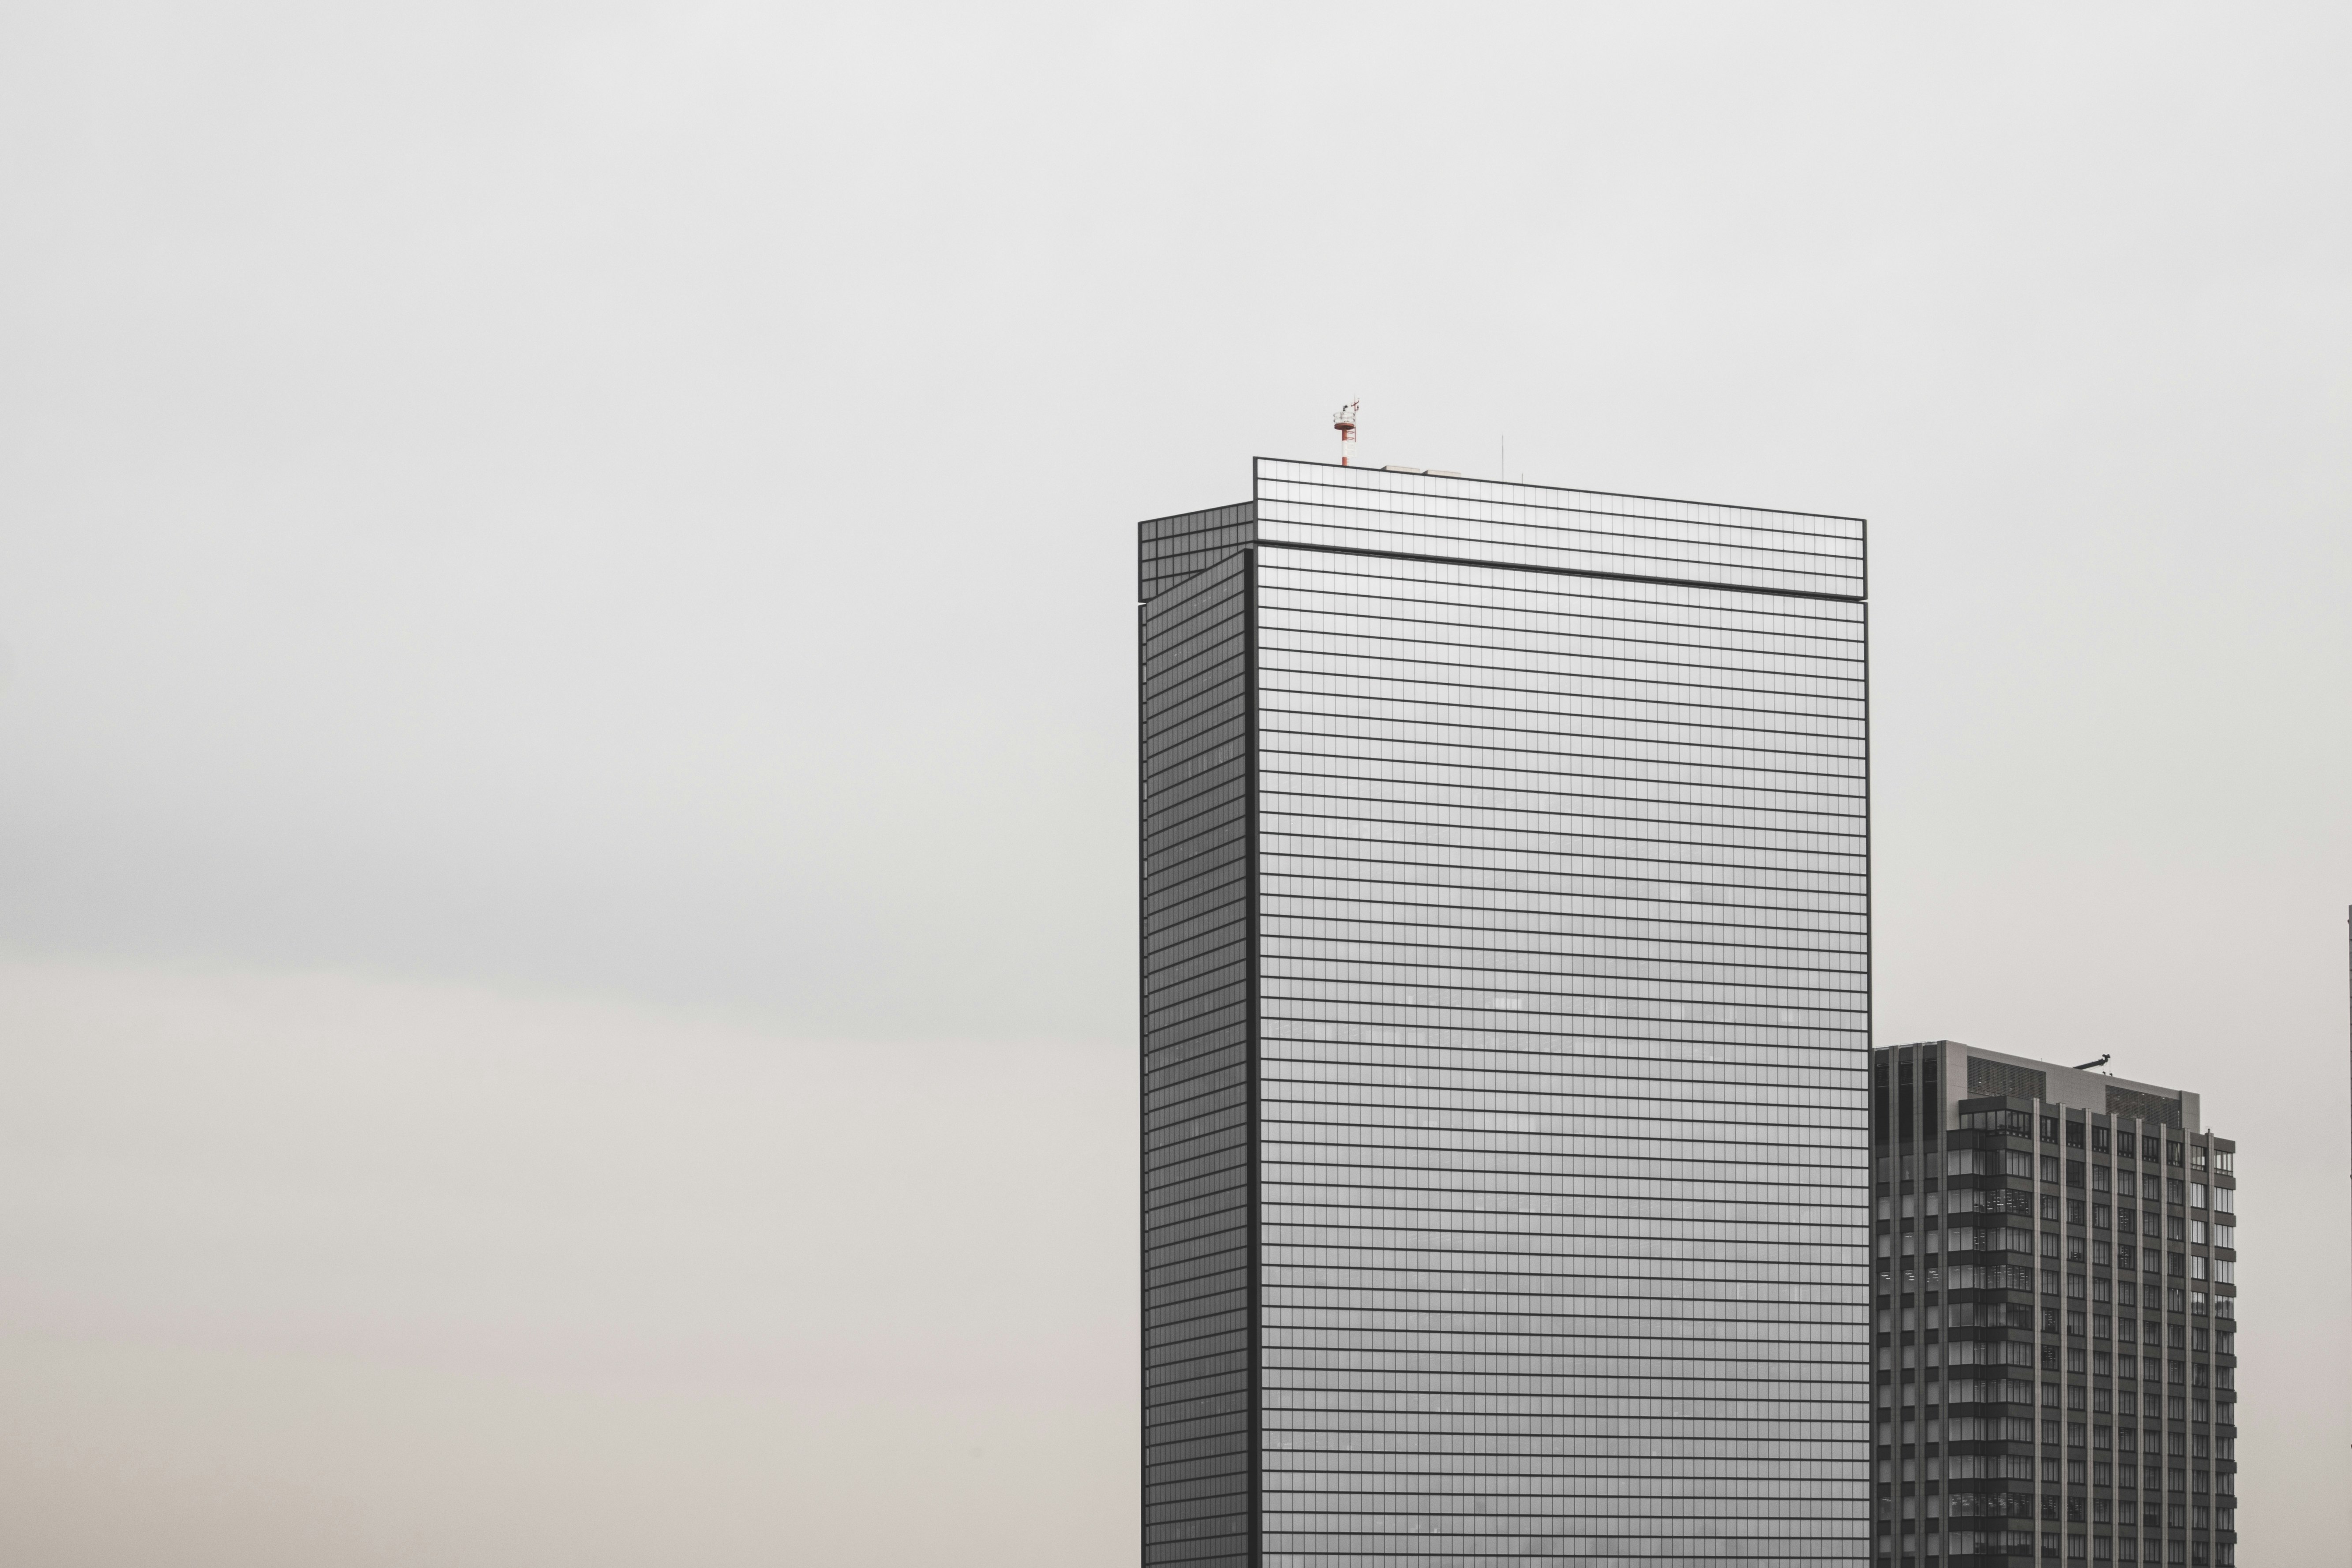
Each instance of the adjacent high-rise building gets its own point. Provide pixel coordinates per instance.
(2057, 1316)
(1505, 1010)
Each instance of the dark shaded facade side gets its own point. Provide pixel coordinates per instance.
(1199, 1441)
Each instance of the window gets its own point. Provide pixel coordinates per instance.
(2225, 1200)
(2073, 1135)
(2101, 1218)
(2225, 1159)
(2050, 1129)
(2151, 1223)
(2099, 1139)
(2197, 1156)
(2148, 1147)
(2050, 1170)
(2172, 1154)
(2016, 1162)
(2101, 1178)
(2050, 1206)
(2177, 1229)
(2196, 1233)
(2174, 1192)
(2225, 1341)
(2075, 1249)
(2225, 1272)
(2126, 1184)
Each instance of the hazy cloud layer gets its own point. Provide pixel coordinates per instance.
(302, 1270)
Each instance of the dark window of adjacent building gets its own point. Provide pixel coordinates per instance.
(2139, 1104)
(1882, 1119)
(2012, 1082)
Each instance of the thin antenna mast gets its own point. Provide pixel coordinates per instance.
(1344, 421)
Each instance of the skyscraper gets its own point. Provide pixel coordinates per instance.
(2056, 1307)
(1506, 1008)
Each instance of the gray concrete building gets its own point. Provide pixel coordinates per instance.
(2054, 1303)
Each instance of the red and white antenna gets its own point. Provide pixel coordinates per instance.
(1344, 421)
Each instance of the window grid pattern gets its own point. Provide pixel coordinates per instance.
(1198, 1121)
(1173, 548)
(1557, 530)
(1564, 992)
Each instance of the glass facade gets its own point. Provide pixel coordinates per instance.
(1506, 1028)
(2056, 1314)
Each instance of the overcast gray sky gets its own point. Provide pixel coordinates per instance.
(566, 752)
